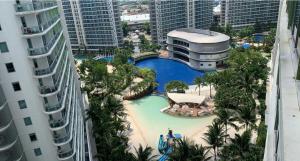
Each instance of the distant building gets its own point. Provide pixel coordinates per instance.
(92, 24)
(245, 13)
(200, 49)
(168, 15)
(41, 112)
(136, 22)
(217, 15)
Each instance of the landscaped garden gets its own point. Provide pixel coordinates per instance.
(238, 104)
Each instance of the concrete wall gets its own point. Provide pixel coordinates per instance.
(202, 56)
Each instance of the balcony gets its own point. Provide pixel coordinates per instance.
(50, 109)
(65, 115)
(40, 28)
(53, 65)
(8, 137)
(59, 141)
(57, 82)
(31, 7)
(49, 46)
(65, 155)
(58, 123)
(5, 117)
(14, 153)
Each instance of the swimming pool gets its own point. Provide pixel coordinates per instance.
(167, 70)
(109, 59)
(152, 122)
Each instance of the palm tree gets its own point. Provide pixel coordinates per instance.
(184, 150)
(144, 154)
(215, 137)
(199, 81)
(241, 143)
(198, 153)
(247, 117)
(240, 148)
(209, 78)
(176, 85)
(225, 117)
(181, 150)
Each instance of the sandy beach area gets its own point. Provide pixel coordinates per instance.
(141, 134)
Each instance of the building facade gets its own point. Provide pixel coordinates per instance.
(168, 15)
(40, 84)
(92, 24)
(200, 49)
(10, 145)
(239, 14)
(282, 99)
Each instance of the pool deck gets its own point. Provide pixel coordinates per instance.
(186, 98)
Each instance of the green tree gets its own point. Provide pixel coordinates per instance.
(215, 137)
(120, 58)
(225, 117)
(209, 78)
(246, 31)
(247, 117)
(241, 148)
(144, 154)
(251, 67)
(176, 86)
(186, 150)
(146, 28)
(258, 28)
(128, 45)
(198, 153)
(261, 134)
(199, 81)
(125, 28)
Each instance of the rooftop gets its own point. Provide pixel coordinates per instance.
(135, 18)
(198, 35)
(186, 98)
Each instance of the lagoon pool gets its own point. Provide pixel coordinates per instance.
(167, 70)
(152, 122)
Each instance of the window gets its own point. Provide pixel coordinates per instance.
(201, 64)
(3, 47)
(209, 64)
(32, 137)
(22, 104)
(16, 86)
(27, 121)
(10, 67)
(0, 27)
(37, 151)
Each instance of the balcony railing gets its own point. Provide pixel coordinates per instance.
(34, 6)
(65, 154)
(57, 123)
(57, 82)
(69, 130)
(39, 72)
(39, 28)
(65, 116)
(65, 92)
(47, 47)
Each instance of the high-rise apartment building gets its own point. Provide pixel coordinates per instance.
(40, 84)
(92, 24)
(282, 113)
(10, 145)
(168, 15)
(243, 13)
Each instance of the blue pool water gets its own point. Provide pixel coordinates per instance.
(167, 70)
(107, 59)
